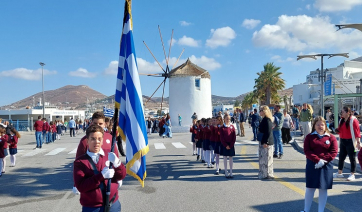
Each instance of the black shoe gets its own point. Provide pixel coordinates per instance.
(219, 170)
(216, 173)
(40, 147)
(213, 163)
(198, 157)
(280, 156)
(231, 177)
(275, 156)
(203, 161)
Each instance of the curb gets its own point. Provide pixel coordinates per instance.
(335, 162)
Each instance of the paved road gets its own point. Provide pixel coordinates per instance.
(42, 181)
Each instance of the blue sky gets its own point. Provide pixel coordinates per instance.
(79, 41)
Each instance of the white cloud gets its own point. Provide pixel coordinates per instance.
(299, 33)
(206, 63)
(188, 41)
(220, 37)
(307, 6)
(278, 58)
(26, 74)
(250, 23)
(81, 72)
(184, 23)
(174, 41)
(112, 68)
(148, 67)
(143, 67)
(336, 5)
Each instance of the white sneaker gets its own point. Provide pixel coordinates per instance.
(351, 177)
(336, 175)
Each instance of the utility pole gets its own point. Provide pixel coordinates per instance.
(42, 76)
(322, 73)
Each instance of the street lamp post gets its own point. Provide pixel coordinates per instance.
(42, 77)
(322, 73)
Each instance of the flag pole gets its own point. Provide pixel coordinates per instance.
(107, 205)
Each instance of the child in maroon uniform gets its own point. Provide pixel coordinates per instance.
(91, 173)
(3, 148)
(228, 138)
(320, 149)
(13, 145)
(193, 131)
(216, 131)
(206, 143)
(199, 140)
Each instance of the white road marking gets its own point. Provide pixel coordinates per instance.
(251, 142)
(238, 143)
(178, 145)
(55, 151)
(34, 152)
(73, 151)
(159, 146)
(190, 142)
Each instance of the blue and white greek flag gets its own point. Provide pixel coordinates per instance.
(128, 99)
(108, 112)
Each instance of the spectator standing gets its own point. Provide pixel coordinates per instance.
(277, 132)
(65, 125)
(72, 127)
(255, 121)
(328, 116)
(237, 121)
(38, 126)
(349, 134)
(295, 111)
(241, 119)
(266, 170)
(287, 125)
(179, 119)
(305, 120)
(149, 125)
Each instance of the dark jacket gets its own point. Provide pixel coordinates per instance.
(255, 120)
(242, 117)
(265, 127)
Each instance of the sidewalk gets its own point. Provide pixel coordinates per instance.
(298, 145)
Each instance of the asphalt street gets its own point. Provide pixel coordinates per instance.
(42, 180)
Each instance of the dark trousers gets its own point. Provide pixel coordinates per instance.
(72, 131)
(346, 148)
(286, 135)
(255, 131)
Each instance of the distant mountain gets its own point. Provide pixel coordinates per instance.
(82, 97)
(69, 96)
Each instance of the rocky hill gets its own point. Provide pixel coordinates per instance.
(69, 96)
(82, 97)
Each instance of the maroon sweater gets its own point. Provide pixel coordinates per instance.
(107, 144)
(88, 183)
(3, 145)
(38, 125)
(206, 132)
(46, 127)
(316, 148)
(13, 142)
(227, 136)
(200, 135)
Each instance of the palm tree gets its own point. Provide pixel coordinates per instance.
(249, 100)
(268, 84)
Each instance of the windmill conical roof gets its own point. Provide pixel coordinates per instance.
(189, 69)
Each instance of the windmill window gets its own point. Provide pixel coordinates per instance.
(197, 84)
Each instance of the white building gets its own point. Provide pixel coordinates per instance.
(345, 78)
(190, 91)
(29, 116)
(223, 108)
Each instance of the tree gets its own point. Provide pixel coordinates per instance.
(249, 100)
(237, 103)
(268, 84)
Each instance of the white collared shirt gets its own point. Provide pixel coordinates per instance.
(95, 156)
(320, 136)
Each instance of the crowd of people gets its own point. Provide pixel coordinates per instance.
(49, 132)
(161, 125)
(216, 137)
